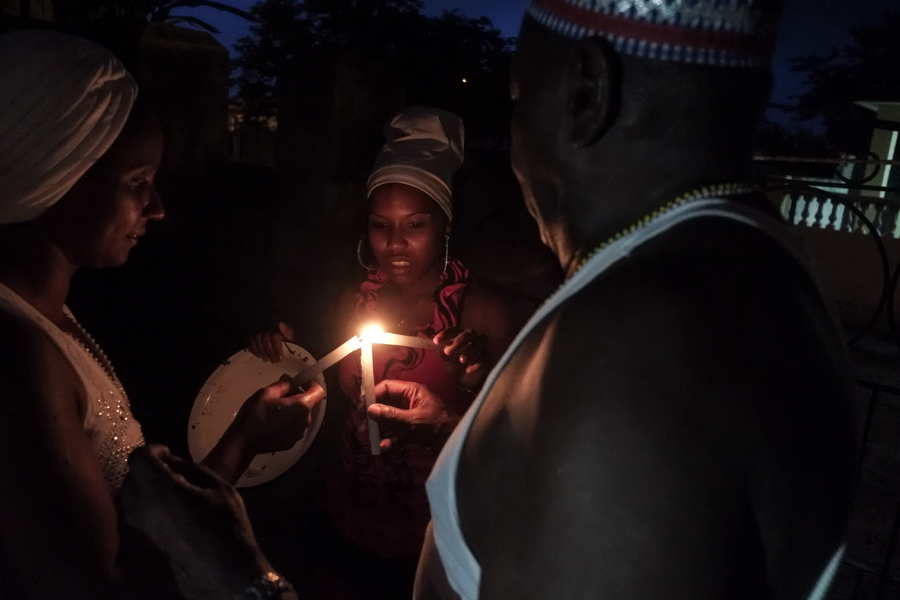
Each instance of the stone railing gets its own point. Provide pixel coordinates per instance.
(854, 214)
(846, 201)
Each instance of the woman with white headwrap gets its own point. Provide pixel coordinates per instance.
(78, 158)
(415, 287)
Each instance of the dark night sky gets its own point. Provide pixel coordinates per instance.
(808, 27)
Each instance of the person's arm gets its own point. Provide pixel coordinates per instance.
(269, 421)
(200, 524)
(269, 345)
(487, 327)
(57, 518)
(491, 314)
(431, 578)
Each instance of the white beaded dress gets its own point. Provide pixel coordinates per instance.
(108, 421)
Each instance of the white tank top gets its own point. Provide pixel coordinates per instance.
(108, 421)
(463, 570)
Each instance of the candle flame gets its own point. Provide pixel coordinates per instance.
(372, 333)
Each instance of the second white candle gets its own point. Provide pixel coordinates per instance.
(368, 392)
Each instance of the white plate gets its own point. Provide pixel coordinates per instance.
(224, 393)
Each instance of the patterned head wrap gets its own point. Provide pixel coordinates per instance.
(724, 33)
(424, 149)
(63, 102)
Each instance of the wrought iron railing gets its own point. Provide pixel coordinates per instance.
(850, 204)
(844, 203)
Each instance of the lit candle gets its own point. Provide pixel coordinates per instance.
(375, 335)
(393, 339)
(368, 385)
(310, 372)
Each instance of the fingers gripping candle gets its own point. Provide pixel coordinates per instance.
(375, 335)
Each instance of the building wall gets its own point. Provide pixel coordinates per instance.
(851, 269)
(886, 144)
(39, 9)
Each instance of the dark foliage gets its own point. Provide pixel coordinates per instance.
(774, 139)
(865, 70)
(79, 13)
(453, 61)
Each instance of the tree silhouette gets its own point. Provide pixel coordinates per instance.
(83, 12)
(865, 70)
(453, 61)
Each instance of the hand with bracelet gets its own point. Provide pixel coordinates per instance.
(198, 520)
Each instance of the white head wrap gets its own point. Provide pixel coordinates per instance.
(424, 149)
(63, 102)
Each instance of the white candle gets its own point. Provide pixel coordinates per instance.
(375, 335)
(368, 392)
(404, 340)
(310, 372)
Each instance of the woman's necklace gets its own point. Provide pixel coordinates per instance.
(712, 191)
(410, 313)
(90, 345)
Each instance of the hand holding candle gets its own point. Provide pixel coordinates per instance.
(412, 412)
(372, 335)
(333, 357)
(375, 334)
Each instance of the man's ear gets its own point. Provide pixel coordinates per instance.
(596, 92)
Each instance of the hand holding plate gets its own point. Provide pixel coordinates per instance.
(272, 421)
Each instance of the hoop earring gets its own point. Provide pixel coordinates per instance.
(360, 258)
(446, 251)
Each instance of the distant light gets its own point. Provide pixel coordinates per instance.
(464, 80)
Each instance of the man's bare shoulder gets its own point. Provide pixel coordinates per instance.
(712, 286)
(697, 387)
(723, 322)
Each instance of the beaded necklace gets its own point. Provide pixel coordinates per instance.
(114, 441)
(95, 352)
(711, 191)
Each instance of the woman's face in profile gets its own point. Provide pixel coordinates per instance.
(103, 216)
(406, 232)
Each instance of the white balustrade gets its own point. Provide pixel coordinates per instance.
(824, 213)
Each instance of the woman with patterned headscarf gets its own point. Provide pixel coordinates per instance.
(78, 157)
(377, 505)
